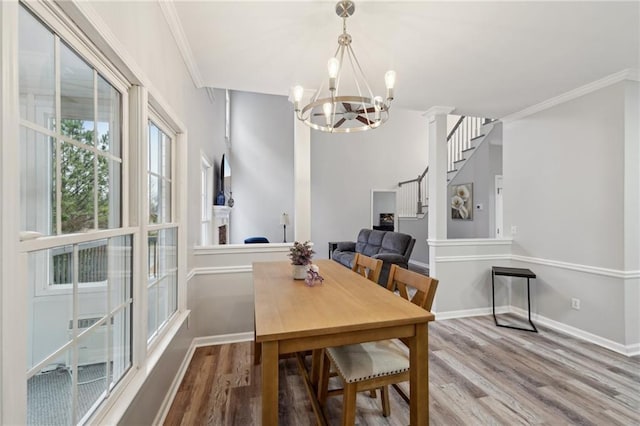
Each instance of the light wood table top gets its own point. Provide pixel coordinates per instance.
(346, 301)
(347, 308)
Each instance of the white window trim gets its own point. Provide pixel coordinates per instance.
(74, 20)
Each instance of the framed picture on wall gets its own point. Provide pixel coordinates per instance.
(462, 201)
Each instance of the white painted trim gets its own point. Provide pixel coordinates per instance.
(614, 273)
(175, 386)
(626, 74)
(190, 275)
(628, 350)
(177, 30)
(218, 270)
(242, 248)
(470, 242)
(472, 258)
(471, 312)
(223, 339)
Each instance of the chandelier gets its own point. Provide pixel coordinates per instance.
(337, 112)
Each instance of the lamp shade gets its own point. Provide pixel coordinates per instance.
(284, 219)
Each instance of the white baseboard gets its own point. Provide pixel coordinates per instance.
(628, 350)
(175, 385)
(177, 380)
(470, 313)
(223, 339)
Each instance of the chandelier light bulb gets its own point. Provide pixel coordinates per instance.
(333, 66)
(378, 104)
(390, 81)
(298, 92)
(326, 108)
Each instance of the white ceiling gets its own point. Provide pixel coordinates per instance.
(483, 58)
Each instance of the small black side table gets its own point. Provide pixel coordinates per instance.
(512, 272)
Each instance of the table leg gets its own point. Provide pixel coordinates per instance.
(270, 383)
(316, 362)
(419, 376)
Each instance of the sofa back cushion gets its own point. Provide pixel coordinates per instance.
(395, 242)
(371, 242)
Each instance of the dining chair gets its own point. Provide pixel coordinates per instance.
(372, 365)
(368, 267)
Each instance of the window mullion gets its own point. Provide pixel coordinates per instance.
(74, 316)
(95, 150)
(58, 114)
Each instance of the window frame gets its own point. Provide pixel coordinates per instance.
(80, 27)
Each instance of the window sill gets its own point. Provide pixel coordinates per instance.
(115, 406)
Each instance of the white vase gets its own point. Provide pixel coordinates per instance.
(300, 272)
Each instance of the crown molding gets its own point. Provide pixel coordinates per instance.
(171, 15)
(626, 74)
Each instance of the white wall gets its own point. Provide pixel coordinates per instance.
(261, 165)
(564, 175)
(346, 167)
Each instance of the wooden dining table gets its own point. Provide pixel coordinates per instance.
(291, 317)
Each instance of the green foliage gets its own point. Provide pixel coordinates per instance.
(78, 168)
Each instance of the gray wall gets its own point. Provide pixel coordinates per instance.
(418, 228)
(346, 167)
(261, 165)
(480, 169)
(563, 180)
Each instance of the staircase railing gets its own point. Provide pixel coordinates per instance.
(413, 191)
(460, 137)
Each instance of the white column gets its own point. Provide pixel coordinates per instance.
(437, 182)
(632, 211)
(302, 180)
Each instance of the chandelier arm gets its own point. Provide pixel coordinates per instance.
(335, 93)
(359, 68)
(352, 57)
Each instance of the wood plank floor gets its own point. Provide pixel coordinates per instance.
(479, 374)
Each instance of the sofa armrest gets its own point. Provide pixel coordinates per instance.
(346, 246)
(391, 258)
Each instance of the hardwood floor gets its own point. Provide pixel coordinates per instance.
(479, 374)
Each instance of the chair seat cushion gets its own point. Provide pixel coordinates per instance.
(364, 361)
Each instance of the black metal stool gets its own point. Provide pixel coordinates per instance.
(512, 272)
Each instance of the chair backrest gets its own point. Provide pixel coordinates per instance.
(368, 267)
(405, 280)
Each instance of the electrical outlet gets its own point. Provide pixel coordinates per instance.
(514, 230)
(575, 304)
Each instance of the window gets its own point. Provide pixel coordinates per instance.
(162, 287)
(80, 279)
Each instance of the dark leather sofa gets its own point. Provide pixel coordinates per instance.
(391, 247)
